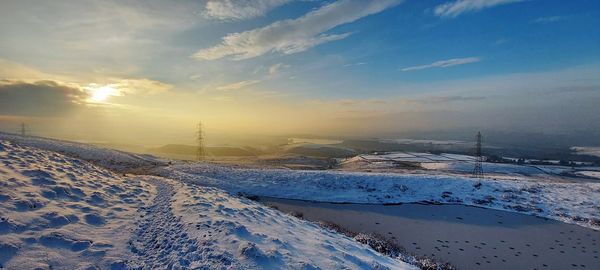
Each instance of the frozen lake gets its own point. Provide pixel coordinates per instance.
(467, 237)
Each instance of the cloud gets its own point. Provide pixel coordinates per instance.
(294, 35)
(445, 99)
(274, 69)
(445, 63)
(354, 64)
(99, 93)
(458, 7)
(501, 41)
(123, 86)
(16, 71)
(550, 19)
(577, 89)
(222, 98)
(241, 9)
(348, 102)
(42, 98)
(237, 85)
(140, 86)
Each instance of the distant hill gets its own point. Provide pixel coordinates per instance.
(318, 150)
(190, 150)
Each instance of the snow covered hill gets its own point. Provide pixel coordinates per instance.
(58, 212)
(570, 202)
(194, 227)
(107, 158)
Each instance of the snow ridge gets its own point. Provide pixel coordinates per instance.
(108, 158)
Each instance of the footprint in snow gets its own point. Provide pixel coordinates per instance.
(94, 219)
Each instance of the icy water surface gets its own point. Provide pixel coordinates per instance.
(467, 237)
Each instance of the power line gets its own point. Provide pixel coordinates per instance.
(478, 170)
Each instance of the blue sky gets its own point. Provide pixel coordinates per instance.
(330, 67)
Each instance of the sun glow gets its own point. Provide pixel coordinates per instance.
(100, 94)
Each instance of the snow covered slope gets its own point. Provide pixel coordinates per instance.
(570, 202)
(193, 227)
(58, 212)
(107, 158)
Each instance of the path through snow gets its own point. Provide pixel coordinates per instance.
(161, 240)
(192, 227)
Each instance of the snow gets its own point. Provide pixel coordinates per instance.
(587, 150)
(454, 163)
(434, 142)
(436, 165)
(570, 202)
(58, 212)
(261, 237)
(593, 174)
(498, 168)
(502, 168)
(64, 212)
(400, 156)
(108, 158)
(459, 157)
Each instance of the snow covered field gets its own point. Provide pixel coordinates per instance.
(587, 150)
(570, 202)
(451, 163)
(58, 212)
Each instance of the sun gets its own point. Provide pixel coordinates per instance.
(100, 94)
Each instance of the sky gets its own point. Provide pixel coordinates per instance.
(147, 71)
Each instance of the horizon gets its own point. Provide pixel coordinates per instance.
(148, 73)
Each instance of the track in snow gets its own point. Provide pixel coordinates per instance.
(161, 240)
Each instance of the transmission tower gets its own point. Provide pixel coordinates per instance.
(200, 141)
(478, 170)
(22, 129)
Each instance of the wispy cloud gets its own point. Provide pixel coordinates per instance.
(140, 86)
(445, 99)
(294, 35)
(348, 102)
(550, 19)
(354, 64)
(458, 7)
(276, 68)
(501, 41)
(445, 63)
(222, 98)
(237, 85)
(241, 10)
(577, 89)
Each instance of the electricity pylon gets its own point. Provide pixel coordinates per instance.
(478, 170)
(200, 141)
